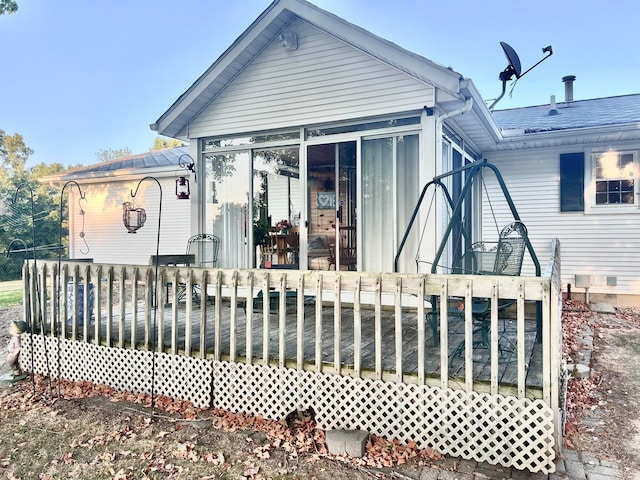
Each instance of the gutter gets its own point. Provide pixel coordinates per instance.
(440, 119)
(628, 132)
(464, 109)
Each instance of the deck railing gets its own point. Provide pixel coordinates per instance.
(365, 326)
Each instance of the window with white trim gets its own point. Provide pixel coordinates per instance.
(614, 178)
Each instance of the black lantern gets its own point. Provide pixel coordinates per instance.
(182, 188)
(182, 184)
(133, 217)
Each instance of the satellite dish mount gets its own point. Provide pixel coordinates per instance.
(514, 67)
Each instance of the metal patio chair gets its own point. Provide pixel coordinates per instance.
(347, 245)
(504, 257)
(203, 249)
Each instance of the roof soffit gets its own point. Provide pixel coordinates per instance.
(476, 126)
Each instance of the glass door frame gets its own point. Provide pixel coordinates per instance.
(335, 140)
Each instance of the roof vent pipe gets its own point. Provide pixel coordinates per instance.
(568, 88)
(552, 106)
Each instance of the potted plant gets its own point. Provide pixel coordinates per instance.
(261, 232)
(284, 226)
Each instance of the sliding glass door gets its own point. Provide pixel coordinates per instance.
(332, 212)
(227, 189)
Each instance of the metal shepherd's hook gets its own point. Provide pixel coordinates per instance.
(59, 273)
(38, 295)
(155, 290)
(26, 301)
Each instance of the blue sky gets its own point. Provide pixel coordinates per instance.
(82, 76)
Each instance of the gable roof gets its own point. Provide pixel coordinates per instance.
(163, 160)
(483, 130)
(174, 122)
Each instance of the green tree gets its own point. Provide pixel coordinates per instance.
(28, 208)
(159, 143)
(113, 154)
(13, 153)
(8, 6)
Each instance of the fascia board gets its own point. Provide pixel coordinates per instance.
(227, 57)
(585, 135)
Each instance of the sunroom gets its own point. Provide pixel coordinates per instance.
(287, 199)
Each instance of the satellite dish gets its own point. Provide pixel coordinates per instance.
(515, 68)
(514, 62)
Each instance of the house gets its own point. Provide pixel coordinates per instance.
(96, 228)
(343, 123)
(312, 142)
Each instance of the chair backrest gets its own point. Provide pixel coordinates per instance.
(503, 257)
(205, 248)
(510, 249)
(348, 253)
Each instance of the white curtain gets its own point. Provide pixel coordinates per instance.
(407, 192)
(228, 218)
(389, 193)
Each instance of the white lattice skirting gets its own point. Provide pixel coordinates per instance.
(487, 428)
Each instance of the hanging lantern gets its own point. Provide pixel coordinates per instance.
(182, 188)
(132, 217)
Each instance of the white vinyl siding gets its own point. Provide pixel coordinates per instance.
(107, 238)
(283, 198)
(601, 245)
(324, 80)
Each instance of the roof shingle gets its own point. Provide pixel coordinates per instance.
(597, 112)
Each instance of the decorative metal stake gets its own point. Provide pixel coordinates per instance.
(38, 295)
(59, 273)
(155, 287)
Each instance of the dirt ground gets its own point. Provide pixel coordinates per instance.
(608, 422)
(100, 435)
(92, 436)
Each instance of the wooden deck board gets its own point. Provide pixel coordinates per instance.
(481, 358)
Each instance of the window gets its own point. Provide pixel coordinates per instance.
(390, 190)
(362, 127)
(614, 178)
(210, 144)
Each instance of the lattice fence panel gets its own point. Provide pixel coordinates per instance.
(126, 370)
(185, 378)
(494, 429)
(478, 426)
